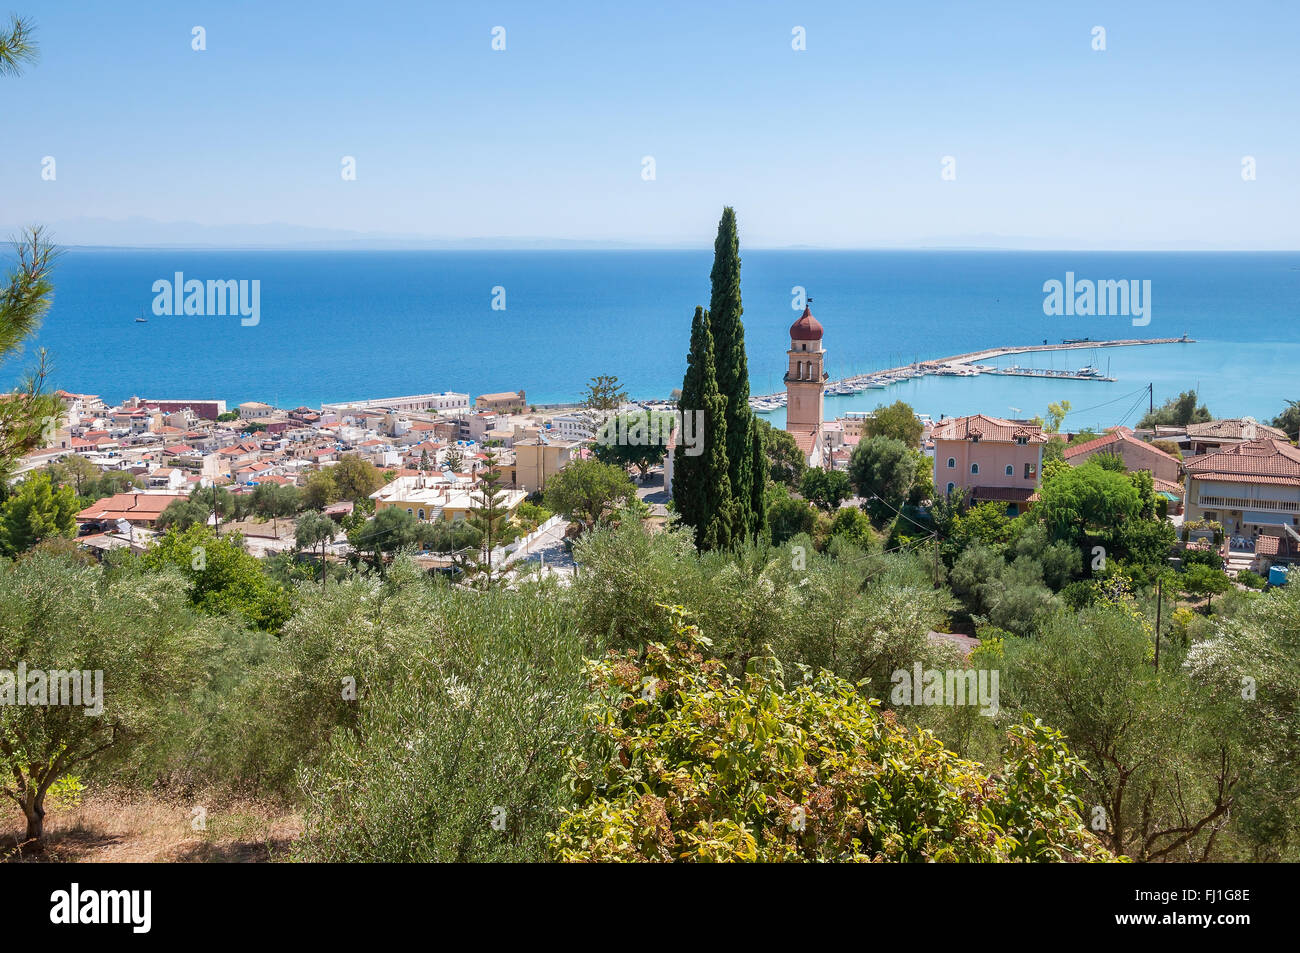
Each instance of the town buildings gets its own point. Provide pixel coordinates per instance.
(434, 498)
(1136, 454)
(536, 460)
(507, 402)
(987, 459)
(1195, 439)
(207, 409)
(445, 402)
(1253, 490)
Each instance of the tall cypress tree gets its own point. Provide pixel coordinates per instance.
(701, 483)
(733, 368)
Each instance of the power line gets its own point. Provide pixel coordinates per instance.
(1131, 411)
(1088, 410)
(902, 515)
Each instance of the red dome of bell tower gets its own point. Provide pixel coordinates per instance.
(806, 328)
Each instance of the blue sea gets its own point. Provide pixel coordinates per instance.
(337, 325)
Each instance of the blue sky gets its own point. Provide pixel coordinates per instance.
(840, 145)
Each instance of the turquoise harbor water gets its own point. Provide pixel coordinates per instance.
(335, 325)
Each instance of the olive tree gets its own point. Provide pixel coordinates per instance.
(89, 667)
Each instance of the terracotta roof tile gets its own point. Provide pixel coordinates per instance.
(1268, 460)
(1007, 494)
(1236, 428)
(988, 428)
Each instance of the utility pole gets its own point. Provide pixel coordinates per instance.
(1151, 398)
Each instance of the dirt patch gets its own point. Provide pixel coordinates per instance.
(132, 828)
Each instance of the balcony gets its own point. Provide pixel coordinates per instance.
(1238, 503)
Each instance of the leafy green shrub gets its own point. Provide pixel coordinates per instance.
(859, 615)
(1252, 579)
(454, 747)
(222, 578)
(1202, 557)
(694, 765)
(533, 512)
(1078, 595)
(852, 524)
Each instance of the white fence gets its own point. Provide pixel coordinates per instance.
(502, 555)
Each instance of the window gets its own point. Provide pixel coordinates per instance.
(1029, 471)
(974, 468)
(975, 438)
(1011, 471)
(408, 509)
(951, 487)
(1021, 441)
(422, 512)
(952, 463)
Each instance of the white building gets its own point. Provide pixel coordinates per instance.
(572, 426)
(447, 402)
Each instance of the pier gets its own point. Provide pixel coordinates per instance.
(971, 364)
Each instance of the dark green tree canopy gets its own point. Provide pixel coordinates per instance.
(732, 364)
(1177, 412)
(882, 469)
(898, 421)
(825, 488)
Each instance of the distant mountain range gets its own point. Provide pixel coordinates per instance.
(138, 232)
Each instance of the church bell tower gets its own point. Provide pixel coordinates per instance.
(805, 385)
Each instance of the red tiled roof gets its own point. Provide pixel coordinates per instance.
(1117, 436)
(988, 428)
(805, 440)
(1112, 435)
(1238, 428)
(1260, 461)
(129, 506)
(1266, 545)
(1226, 477)
(1005, 494)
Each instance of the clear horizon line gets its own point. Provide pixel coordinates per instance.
(619, 246)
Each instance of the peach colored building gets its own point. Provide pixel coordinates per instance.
(988, 459)
(805, 387)
(1136, 454)
(505, 402)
